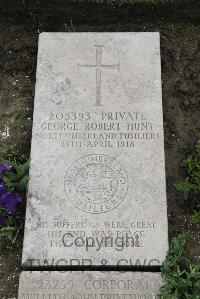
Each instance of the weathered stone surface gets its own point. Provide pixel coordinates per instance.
(89, 285)
(97, 179)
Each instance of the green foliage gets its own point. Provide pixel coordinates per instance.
(15, 181)
(18, 178)
(190, 187)
(196, 217)
(182, 277)
(6, 246)
(8, 232)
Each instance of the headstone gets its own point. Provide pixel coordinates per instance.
(89, 285)
(97, 178)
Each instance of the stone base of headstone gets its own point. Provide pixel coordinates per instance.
(89, 285)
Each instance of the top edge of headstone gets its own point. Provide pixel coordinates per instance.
(156, 33)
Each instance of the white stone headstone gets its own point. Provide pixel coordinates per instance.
(97, 178)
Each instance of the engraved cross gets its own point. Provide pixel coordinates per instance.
(99, 66)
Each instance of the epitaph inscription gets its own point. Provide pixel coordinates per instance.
(97, 176)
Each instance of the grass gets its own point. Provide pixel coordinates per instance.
(190, 186)
(182, 278)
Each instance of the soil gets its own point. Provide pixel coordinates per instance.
(178, 24)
